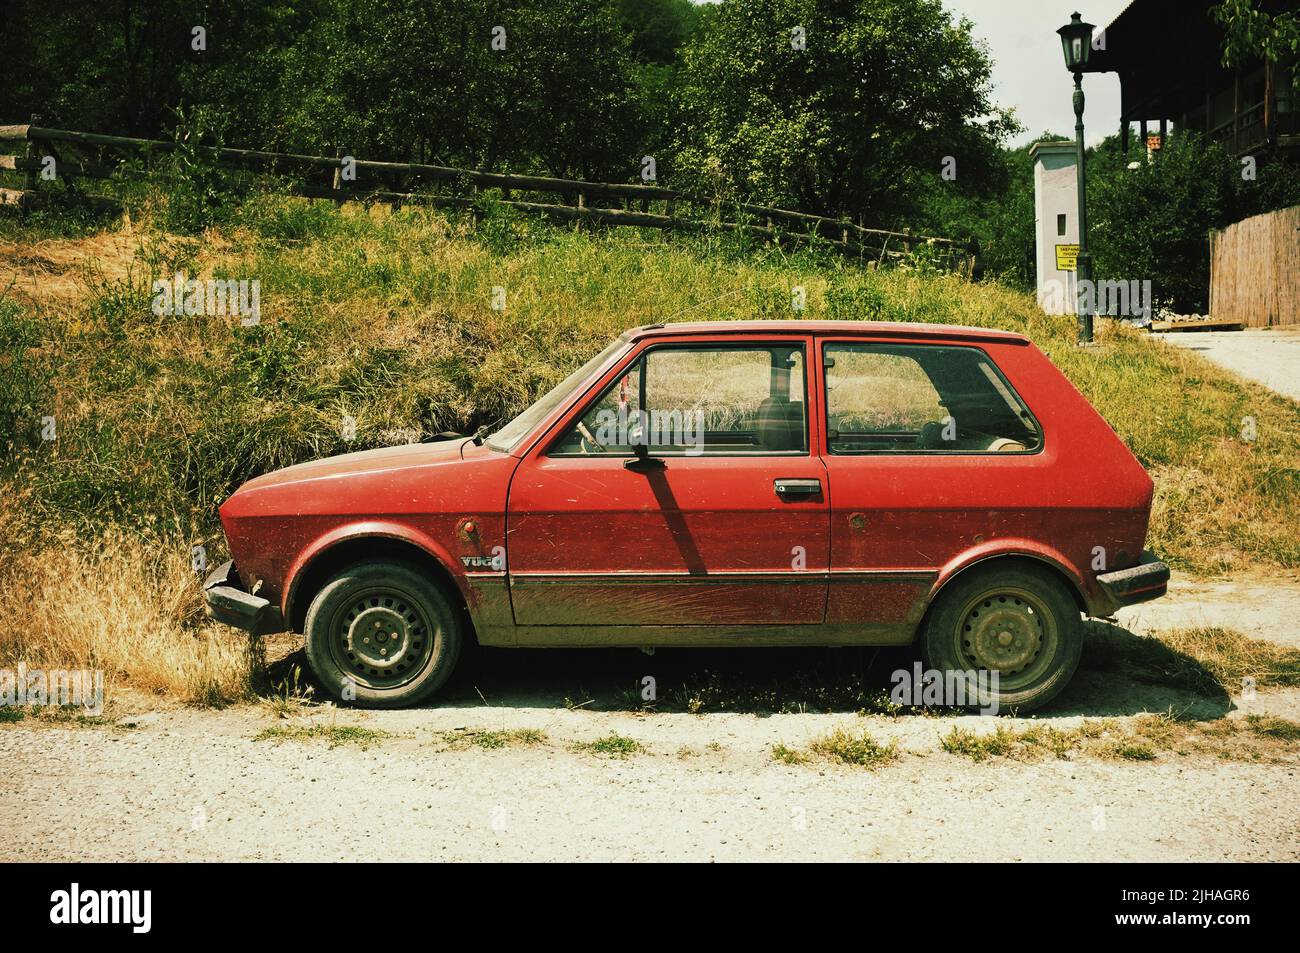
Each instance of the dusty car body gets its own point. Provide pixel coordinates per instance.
(716, 484)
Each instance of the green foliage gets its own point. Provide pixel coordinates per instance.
(24, 376)
(387, 319)
(1151, 222)
(997, 214)
(196, 191)
(883, 90)
(1253, 33)
(410, 80)
(657, 28)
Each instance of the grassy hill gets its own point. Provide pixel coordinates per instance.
(387, 318)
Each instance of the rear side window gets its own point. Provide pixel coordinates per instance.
(889, 398)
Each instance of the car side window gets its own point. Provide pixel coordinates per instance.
(700, 400)
(888, 398)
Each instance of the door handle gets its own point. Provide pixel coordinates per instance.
(798, 487)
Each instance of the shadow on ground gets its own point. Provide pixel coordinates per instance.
(1121, 674)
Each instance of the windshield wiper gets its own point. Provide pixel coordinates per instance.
(480, 433)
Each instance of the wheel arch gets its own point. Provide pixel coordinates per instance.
(349, 550)
(1033, 560)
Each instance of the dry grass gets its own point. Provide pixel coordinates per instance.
(1232, 657)
(1207, 660)
(1254, 738)
(123, 604)
(386, 317)
(841, 746)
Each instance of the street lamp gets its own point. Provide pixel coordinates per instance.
(1076, 42)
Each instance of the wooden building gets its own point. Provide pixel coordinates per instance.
(1169, 57)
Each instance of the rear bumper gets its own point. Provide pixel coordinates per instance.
(228, 601)
(1148, 580)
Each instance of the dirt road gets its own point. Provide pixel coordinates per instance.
(1270, 356)
(212, 785)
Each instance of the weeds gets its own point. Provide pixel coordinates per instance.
(491, 740)
(1144, 738)
(335, 735)
(612, 745)
(386, 317)
(290, 696)
(842, 746)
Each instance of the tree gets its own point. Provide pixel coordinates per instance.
(1253, 32)
(1150, 219)
(835, 106)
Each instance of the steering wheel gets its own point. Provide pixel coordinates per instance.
(586, 437)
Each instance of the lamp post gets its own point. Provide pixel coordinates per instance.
(1076, 41)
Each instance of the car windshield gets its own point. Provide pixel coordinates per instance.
(508, 436)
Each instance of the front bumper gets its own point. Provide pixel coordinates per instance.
(1148, 580)
(228, 601)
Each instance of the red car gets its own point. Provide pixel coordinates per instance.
(790, 483)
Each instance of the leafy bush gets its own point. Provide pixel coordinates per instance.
(1151, 222)
(196, 191)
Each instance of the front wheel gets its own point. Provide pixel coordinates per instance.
(382, 635)
(1019, 622)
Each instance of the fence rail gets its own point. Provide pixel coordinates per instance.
(88, 155)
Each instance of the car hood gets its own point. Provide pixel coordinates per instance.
(362, 462)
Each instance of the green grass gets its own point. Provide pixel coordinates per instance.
(1144, 738)
(842, 746)
(387, 318)
(612, 745)
(492, 740)
(335, 735)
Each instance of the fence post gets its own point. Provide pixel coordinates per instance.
(337, 183)
(29, 155)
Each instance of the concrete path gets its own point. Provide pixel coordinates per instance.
(1270, 356)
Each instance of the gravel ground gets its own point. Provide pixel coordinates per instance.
(196, 786)
(1270, 356)
(193, 784)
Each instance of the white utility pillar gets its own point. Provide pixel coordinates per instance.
(1056, 225)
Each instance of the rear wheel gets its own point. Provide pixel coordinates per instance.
(1020, 622)
(382, 635)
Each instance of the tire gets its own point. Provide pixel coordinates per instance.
(382, 635)
(968, 626)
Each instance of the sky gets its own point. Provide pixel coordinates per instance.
(1029, 71)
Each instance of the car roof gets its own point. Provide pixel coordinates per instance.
(839, 328)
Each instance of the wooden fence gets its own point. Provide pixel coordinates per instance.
(1255, 270)
(79, 155)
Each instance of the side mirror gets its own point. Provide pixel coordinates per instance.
(642, 462)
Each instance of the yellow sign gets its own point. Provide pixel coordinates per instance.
(1067, 257)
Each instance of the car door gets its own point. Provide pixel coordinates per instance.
(685, 493)
(930, 453)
